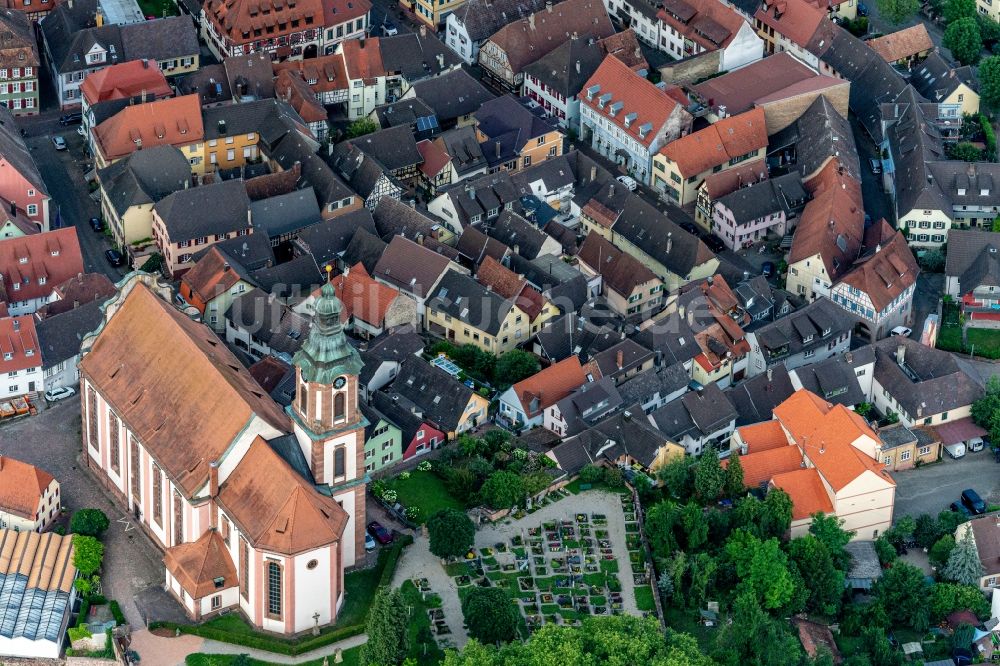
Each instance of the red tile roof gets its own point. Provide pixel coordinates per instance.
(21, 485)
(806, 490)
(197, 565)
(716, 144)
(246, 21)
(436, 158)
(712, 24)
(550, 385)
(887, 273)
(761, 467)
(728, 181)
(795, 19)
(211, 276)
(651, 105)
(175, 121)
(362, 296)
(127, 79)
(37, 263)
(763, 436)
(510, 285)
(321, 74)
(904, 43)
(363, 59)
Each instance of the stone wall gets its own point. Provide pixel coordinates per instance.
(692, 69)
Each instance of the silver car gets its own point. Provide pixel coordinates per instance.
(59, 142)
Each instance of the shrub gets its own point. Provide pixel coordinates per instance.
(424, 466)
(614, 477)
(591, 474)
(89, 522)
(88, 553)
(116, 612)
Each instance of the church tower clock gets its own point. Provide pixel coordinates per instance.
(327, 422)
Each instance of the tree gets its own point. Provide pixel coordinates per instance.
(775, 514)
(709, 477)
(925, 532)
(451, 533)
(829, 530)
(89, 522)
(514, 366)
(876, 646)
(733, 486)
(614, 477)
(503, 490)
(591, 473)
(989, 31)
(702, 568)
(964, 565)
(986, 410)
(386, 628)
(946, 598)
(941, 550)
(956, 10)
(762, 567)
(995, 225)
(902, 592)
(821, 578)
(660, 521)
(88, 553)
(695, 526)
(755, 639)
(676, 475)
(490, 614)
(360, 127)
(897, 11)
(963, 40)
(460, 482)
(886, 551)
(964, 151)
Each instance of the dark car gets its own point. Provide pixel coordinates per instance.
(382, 535)
(96, 224)
(767, 269)
(115, 257)
(972, 500)
(714, 243)
(690, 228)
(862, 9)
(958, 507)
(71, 118)
(961, 656)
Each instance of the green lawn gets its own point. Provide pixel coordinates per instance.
(158, 8)
(984, 342)
(981, 341)
(644, 598)
(687, 622)
(419, 620)
(352, 657)
(424, 490)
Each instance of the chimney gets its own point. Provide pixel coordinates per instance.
(548, 6)
(577, 66)
(361, 42)
(440, 58)
(213, 492)
(611, 190)
(498, 149)
(99, 19)
(142, 96)
(620, 359)
(1, 456)
(670, 241)
(516, 249)
(593, 173)
(13, 208)
(419, 239)
(531, 21)
(145, 63)
(770, 374)
(423, 31)
(901, 355)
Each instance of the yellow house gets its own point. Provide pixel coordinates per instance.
(430, 12)
(463, 311)
(534, 140)
(902, 448)
(445, 402)
(936, 80)
(631, 288)
(680, 167)
(508, 284)
(173, 121)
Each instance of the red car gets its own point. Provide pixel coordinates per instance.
(382, 535)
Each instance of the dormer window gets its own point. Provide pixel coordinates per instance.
(22, 260)
(8, 356)
(826, 332)
(961, 191)
(593, 90)
(806, 340)
(984, 192)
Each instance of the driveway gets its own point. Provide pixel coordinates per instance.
(51, 440)
(931, 489)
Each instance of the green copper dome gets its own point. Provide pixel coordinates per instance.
(326, 354)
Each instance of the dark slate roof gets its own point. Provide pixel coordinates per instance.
(633, 355)
(452, 95)
(671, 338)
(396, 345)
(589, 403)
(464, 149)
(396, 413)
(624, 433)
(508, 125)
(571, 334)
(808, 323)
(285, 213)
(293, 279)
(834, 379)
(395, 218)
(464, 299)
(394, 148)
(659, 236)
(250, 75)
(273, 119)
(914, 143)
(365, 248)
(696, 413)
(361, 172)
(59, 336)
(328, 240)
(209, 82)
(973, 257)
(482, 18)
(70, 31)
(417, 55)
(783, 194)
(253, 252)
(160, 39)
(288, 448)
(756, 398)
(819, 134)
(655, 381)
(568, 67)
(441, 397)
(218, 208)
(475, 246)
(935, 79)
(294, 148)
(403, 112)
(928, 382)
(951, 176)
(268, 319)
(145, 177)
(516, 232)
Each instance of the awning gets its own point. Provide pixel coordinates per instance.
(960, 430)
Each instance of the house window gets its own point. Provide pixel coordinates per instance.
(923, 450)
(92, 418)
(225, 530)
(244, 568)
(217, 602)
(115, 449)
(339, 462)
(231, 154)
(339, 408)
(157, 495)
(904, 455)
(32, 209)
(178, 518)
(136, 471)
(944, 416)
(274, 590)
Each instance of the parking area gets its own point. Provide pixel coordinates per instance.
(52, 440)
(931, 489)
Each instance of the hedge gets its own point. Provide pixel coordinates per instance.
(290, 648)
(116, 612)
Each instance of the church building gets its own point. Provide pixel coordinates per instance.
(257, 509)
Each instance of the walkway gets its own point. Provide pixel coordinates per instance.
(163, 651)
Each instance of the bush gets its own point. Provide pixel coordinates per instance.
(591, 474)
(116, 612)
(614, 477)
(89, 522)
(451, 533)
(88, 554)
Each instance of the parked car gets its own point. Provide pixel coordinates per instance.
(114, 257)
(875, 164)
(70, 118)
(958, 507)
(714, 243)
(389, 28)
(690, 228)
(96, 224)
(370, 544)
(628, 182)
(862, 9)
(972, 501)
(59, 142)
(767, 269)
(901, 331)
(382, 535)
(975, 444)
(956, 451)
(57, 394)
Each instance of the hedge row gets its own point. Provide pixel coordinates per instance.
(280, 646)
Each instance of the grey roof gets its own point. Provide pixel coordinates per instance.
(294, 148)
(403, 112)
(482, 18)
(756, 398)
(896, 435)
(624, 433)
(508, 125)
(218, 208)
(452, 95)
(441, 397)
(928, 382)
(15, 152)
(834, 379)
(210, 83)
(464, 149)
(633, 355)
(395, 218)
(655, 381)
(396, 345)
(365, 248)
(329, 239)
(573, 333)
(567, 68)
(464, 299)
(145, 177)
(864, 560)
(553, 173)
(253, 252)
(250, 76)
(696, 413)
(588, 404)
(397, 413)
(659, 236)
(973, 258)
(485, 194)
(268, 319)
(971, 179)
(819, 322)
(161, 39)
(935, 79)
(295, 279)
(475, 246)
(914, 143)
(288, 448)
(516, 232)
(819, 134)
(59, 336)
(417, 55)
(394, 148)
(271, 118)
(361, 172)
(409, 266)
(671, 338)
(783, 194)
(285, 213)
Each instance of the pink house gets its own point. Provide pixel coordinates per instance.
(747, 215)
(21, 184)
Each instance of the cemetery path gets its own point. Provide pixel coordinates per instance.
(419, 562)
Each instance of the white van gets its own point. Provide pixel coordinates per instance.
(975, 444)
(955, 450)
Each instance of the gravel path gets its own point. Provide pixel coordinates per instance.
(170, 651)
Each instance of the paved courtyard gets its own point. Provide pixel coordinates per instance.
(51, 440)
(931, 489)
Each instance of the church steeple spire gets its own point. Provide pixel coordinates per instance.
(326, 353)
